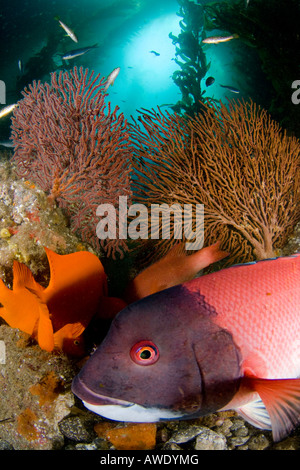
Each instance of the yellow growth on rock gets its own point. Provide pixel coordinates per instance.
(132, 436)
(48, 388)
(26, 425)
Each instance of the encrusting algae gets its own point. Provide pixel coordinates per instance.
(48, 389)
(137, 436)
(27, 425)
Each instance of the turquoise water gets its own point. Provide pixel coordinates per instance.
(126, 32)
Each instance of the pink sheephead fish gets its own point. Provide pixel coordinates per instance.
(227, 340)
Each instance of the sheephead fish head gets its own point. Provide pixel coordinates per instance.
(163, 358)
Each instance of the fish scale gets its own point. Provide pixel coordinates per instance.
(249, 295)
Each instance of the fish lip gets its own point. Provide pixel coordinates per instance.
(87, 395)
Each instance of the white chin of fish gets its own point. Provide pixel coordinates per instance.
(132, 413)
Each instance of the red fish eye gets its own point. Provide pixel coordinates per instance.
(144, 353)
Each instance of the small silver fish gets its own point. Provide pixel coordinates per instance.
(69, 32)
(20, 65)
(230, 88)
(7, 143)
(219, 39)
(77, 52)
(7, 109)
(111, 78)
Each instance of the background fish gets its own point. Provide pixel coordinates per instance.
(228, 340)
(230, 88)
(68, 30)
(209, 81)
(77, 52)
(111, 78)
(7, 143)
(7, 109)
(174, 268)
(219, 39)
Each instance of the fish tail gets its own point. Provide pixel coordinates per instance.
(281, 398)
(23, 277)
(4, 292)
(236, 36)
(16, 314)
(206, 256)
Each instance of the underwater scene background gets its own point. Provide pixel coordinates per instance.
(163, 102)
(127, 31)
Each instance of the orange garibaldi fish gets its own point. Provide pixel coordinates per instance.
(57, 315)
(226, 340)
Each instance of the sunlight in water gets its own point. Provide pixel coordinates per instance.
(154, 71)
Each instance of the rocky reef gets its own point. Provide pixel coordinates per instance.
(29, 221)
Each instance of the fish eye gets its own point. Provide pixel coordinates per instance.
(144, 353)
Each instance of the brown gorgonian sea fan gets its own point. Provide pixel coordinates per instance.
(236, 161)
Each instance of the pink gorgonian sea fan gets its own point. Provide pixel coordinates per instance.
(69, 142)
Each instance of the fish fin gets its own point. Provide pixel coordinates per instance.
(281, 398)
(4, 314)
(45, 336)
(68, 331)
(73, 269)
(256, 414)
(4, 291)
(8, 316)
(208, 255)
(18, 311)
(43, 331)
(176, 267)
(201, 258)
(23, 277)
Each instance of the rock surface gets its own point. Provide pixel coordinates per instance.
(35, 394)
